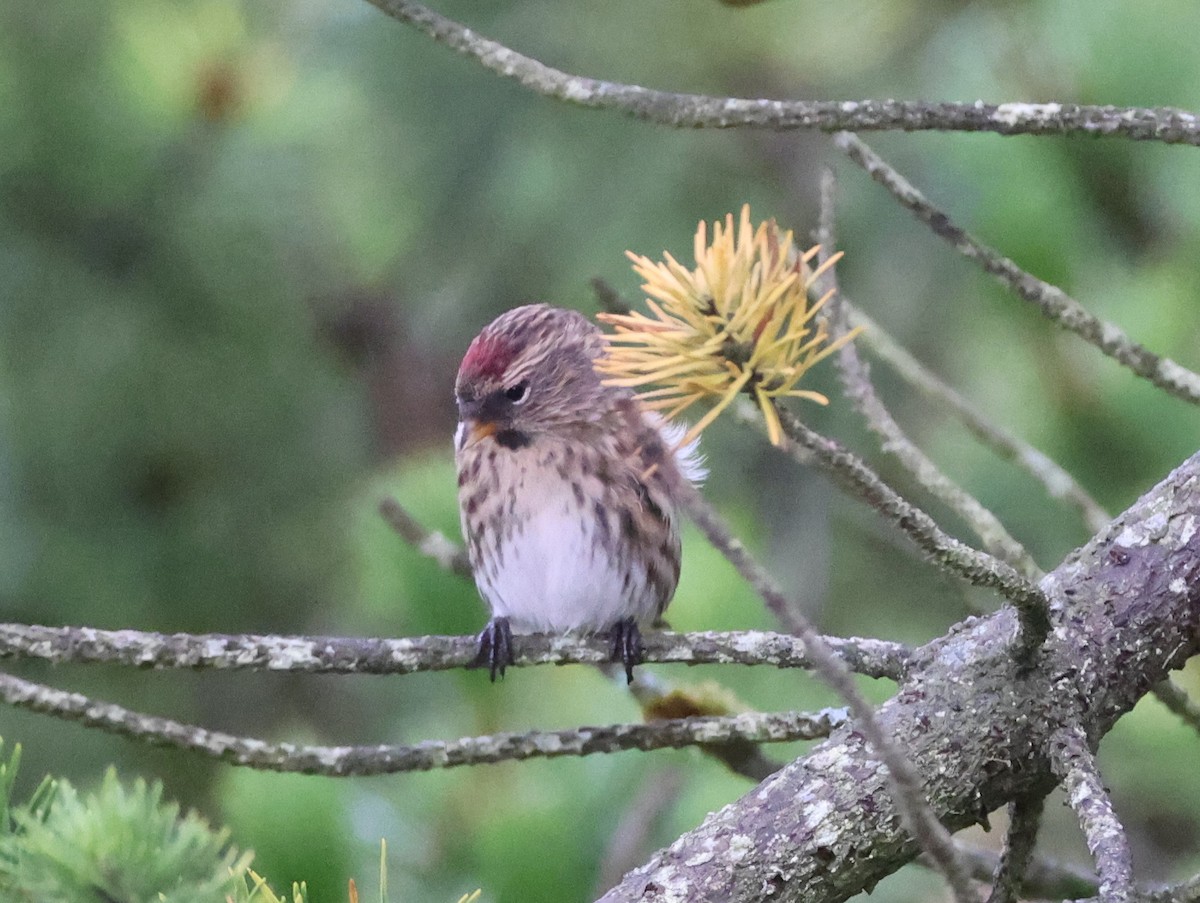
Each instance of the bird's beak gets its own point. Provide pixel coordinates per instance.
(476, 431)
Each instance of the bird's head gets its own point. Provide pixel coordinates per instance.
(530, 372)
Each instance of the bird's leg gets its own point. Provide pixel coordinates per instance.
(495, 648)
(627, 645)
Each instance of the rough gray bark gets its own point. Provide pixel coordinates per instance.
(365, 655)
(1167, 124)
(975, 723)
(723, 736)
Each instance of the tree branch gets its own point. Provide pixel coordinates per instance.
(853, 475)
(1025, 815)
(1174, 698)
(976, 725)
(350, 655)
(344, 761)
(1052, 301)
(865, 656)
(709, 521)
(1075, 766)
(430, 543)
(1166, 124)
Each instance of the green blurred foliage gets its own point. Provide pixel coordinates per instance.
(119, 843)
(242, 246)
(298, 827)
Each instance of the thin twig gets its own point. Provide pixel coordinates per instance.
(629, 841)
(1059, 484)
(607, 297)
(447, 553)
(1025, 815)
(1178, 701)
(903, 779)
(353, 655)
(976, 567)
(856, 380)
(1075, 766)
(709, 521)
(1052, 301)
(1166, 124)
(342, 761)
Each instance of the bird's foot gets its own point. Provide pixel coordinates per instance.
(627, 645)
(495, 648)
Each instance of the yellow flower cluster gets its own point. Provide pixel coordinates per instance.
(741, 321)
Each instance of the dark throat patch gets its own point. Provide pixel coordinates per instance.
(512, 439)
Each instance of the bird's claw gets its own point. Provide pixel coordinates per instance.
(627, 645)
(495, 648)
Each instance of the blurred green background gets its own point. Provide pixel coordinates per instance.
(243, 245)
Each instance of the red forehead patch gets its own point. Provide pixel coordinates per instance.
(487, 357)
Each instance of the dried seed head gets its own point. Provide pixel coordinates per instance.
(741, 321)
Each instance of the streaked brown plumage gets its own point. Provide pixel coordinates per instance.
(567, 489)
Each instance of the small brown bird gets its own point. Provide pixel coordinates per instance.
(567, 489)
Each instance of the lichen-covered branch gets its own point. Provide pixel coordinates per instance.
(878, 658)
(1052, 301)
(1165, 124)
(1058, 483)
(343, 761)
(975, 724)
(1025, 816)
(351, 655)
(1076, 767)
(996, 540)
(979, 568)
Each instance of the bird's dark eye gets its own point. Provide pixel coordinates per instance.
(516, 394)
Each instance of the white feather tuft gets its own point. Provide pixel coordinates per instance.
(688, 457)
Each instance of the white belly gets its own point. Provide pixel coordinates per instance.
(556, 575)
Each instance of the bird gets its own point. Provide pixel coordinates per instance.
(569, 491)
